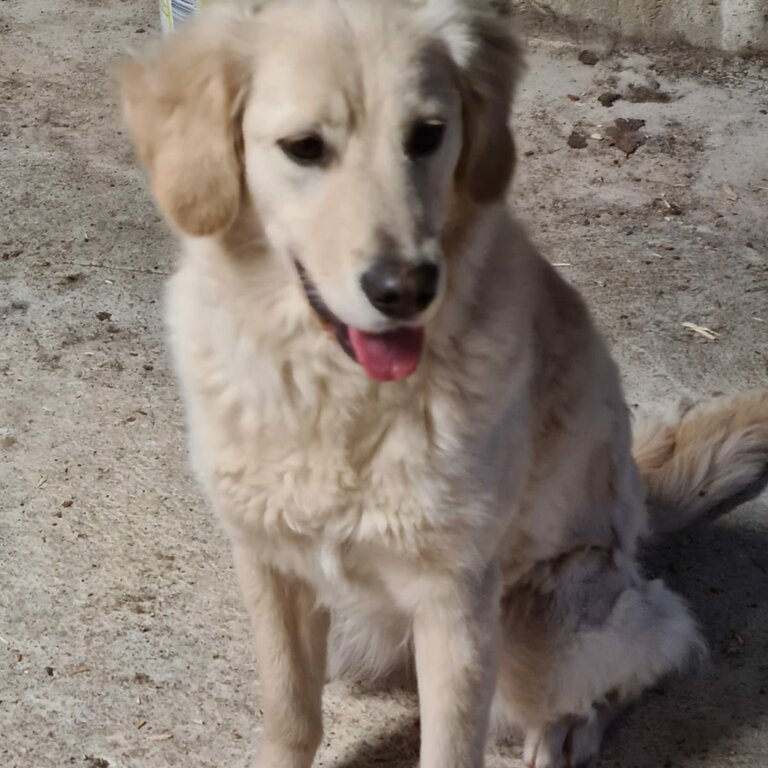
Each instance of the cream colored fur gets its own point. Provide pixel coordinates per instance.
(482, 516)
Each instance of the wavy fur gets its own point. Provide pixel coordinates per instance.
(480, 518)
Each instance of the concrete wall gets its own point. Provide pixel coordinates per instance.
(730, 25)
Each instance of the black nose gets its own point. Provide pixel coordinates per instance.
(401, 290)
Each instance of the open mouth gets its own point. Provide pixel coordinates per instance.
(389, 356)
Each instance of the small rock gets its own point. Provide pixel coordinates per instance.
(609, 98)
(574, 97)
(639, 94)
(102, 316)
(68, 503)
(632, 123)
(96, 762)
(577, 140)
(49, 671)
(625, 134)
(590, 58)
(148, 367)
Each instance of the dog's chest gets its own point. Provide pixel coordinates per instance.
(294, 443)
(346, 469)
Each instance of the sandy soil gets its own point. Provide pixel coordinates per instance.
(122, 639)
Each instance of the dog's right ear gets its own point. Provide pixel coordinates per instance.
(180, 105)
(490, 64)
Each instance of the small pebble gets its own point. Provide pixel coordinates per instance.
(577, 140)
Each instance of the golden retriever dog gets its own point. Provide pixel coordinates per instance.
(403, 416)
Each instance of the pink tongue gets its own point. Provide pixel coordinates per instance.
(388, 356)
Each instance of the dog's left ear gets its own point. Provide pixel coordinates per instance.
(489, 77)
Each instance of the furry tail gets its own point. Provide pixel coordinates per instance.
(703, 460)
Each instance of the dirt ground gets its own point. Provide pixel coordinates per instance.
(123, 643)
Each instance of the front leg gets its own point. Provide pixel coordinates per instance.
(291, 640)
(456, 635)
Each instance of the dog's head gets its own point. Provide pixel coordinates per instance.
(353, 128)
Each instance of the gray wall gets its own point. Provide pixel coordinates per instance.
(731, 25)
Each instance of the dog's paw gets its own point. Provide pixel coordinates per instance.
(567, 743)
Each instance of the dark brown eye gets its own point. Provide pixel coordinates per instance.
(424, 139)
(305, 150)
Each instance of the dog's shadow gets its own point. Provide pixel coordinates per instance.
(722, 570)
(396, 748)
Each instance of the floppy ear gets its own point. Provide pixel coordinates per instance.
(489, 78)
(179, 105)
